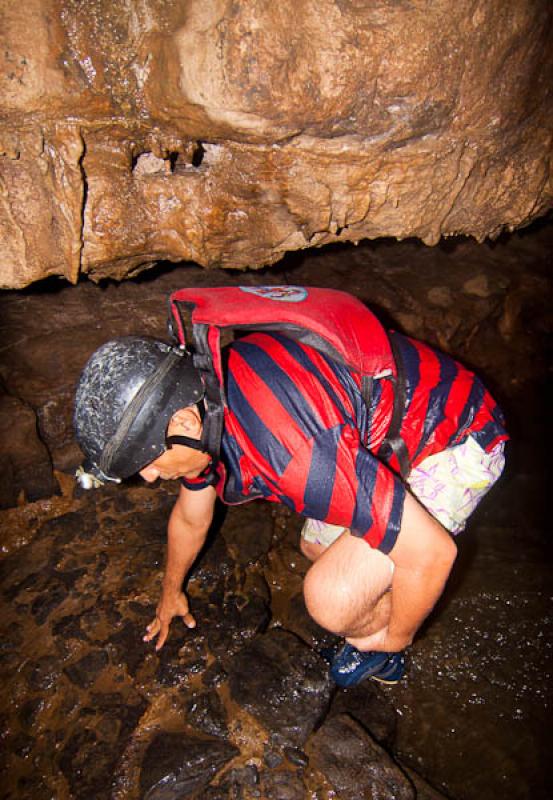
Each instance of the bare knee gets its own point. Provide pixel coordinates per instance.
(345, 584)
(324, 600)
(331, 599)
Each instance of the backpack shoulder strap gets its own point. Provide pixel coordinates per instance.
(393, 440)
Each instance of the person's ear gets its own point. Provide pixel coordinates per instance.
(186, 421)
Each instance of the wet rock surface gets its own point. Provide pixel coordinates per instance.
(283, 683)
(355, 765)
(240, 706)
(176, 766)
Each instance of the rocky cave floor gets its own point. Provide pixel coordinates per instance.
(241, 707)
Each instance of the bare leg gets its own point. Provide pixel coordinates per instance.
(346, 589)
(378, 616)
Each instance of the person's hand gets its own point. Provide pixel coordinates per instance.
(169, 607)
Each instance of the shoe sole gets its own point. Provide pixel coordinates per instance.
(388, 681)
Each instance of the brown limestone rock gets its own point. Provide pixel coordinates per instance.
(356, 766)
(282, 683)
(221, 133)
(24, 460)
(177, 766)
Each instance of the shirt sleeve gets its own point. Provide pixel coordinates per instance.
(209, 477)
(334, 478)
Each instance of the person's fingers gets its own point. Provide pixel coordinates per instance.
(189, 620)
(153, 629)
(163, 633)
(160, 629)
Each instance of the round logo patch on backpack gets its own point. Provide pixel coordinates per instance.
(285, 294)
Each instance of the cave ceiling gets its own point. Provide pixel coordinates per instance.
(228, 133)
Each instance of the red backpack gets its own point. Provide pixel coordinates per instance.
(331, 321)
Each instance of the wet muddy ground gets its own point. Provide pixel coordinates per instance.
(242, 707)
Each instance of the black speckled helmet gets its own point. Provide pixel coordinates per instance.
(126, 396)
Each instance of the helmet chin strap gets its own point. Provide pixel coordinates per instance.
(187, 441)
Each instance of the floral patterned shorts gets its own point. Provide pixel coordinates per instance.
(449, 484)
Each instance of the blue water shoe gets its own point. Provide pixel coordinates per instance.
(350, 666)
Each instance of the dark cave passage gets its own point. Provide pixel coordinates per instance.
(230, 709)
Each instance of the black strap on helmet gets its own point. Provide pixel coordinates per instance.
(187, 441)
(112, 447)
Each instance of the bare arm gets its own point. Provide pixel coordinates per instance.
(423, 556)
(186, 533)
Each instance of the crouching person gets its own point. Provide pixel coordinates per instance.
(386, 467)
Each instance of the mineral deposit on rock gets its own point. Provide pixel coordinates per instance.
(228, 133)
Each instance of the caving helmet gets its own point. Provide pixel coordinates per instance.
(127, 393)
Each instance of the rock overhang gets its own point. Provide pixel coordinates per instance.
(230, 133)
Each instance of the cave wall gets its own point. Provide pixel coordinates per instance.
(228, 133)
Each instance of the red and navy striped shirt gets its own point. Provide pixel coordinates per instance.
(298, 432)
